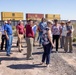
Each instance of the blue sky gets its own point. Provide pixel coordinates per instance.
(66, 8)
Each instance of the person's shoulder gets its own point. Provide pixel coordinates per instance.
(53, 25)
(27, 25)
(22, 25)
(6, 25)
(35, 25)
(59, 25)
(47, 28)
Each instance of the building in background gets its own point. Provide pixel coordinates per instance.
(11, 16)
(34, 16)
(52, 16)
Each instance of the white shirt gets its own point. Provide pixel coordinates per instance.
(2, 30)
(64, 30)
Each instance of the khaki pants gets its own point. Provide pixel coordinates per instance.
(62, 41)
(68, 42)
(29, 47)
(34, 39)
(20, 41)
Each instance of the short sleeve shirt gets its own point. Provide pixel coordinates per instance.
(56, 29)
(20, 29)
(8, 29)
(42, 25)
(45, 39)
(69, 28)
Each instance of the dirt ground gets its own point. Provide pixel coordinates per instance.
(61, 63)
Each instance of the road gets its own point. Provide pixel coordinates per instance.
(61, 63)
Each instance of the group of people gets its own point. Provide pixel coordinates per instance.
(49, 34)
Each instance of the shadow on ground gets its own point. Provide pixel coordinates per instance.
(11, 58)
(37, 53)
(25, 66)
(74, 45)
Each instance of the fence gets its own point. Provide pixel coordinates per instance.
(13, 22)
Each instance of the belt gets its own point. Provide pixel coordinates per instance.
(20, 33)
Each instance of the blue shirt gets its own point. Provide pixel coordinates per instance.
(8, 29)
(42, 26)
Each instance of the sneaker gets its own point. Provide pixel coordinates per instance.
(29, 58)
(70, 52)
(8, 54)
(41, 63)
(47, 65)
(56, 51)
(34, 45)
(20, 51)
(61, 47)
(65, 51)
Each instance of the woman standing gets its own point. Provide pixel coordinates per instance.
(47, 43)
(56, 30)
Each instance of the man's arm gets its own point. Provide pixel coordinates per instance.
(6, 35)
(5, 31)
(39, 26)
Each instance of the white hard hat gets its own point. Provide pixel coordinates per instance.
(5, 22)
(68, 21)
(50, 21)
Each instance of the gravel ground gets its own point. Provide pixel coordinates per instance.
(61, 63)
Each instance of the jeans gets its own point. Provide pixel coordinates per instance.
(46, 54)
(39, 38)
(9, 44)
(56, 37)
(3, 40)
